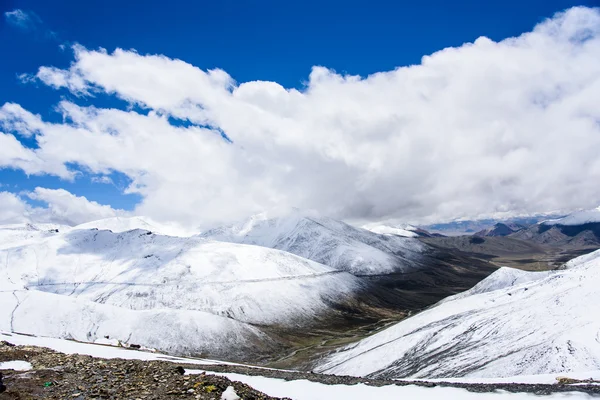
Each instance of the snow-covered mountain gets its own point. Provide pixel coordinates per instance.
(579, 229)
(512, 323)
(326, 241)
(175, 294)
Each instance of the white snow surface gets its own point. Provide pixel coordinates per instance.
(230, 394)
(180, 295)
(326, 241)
(15, 235)
(16, 365)
(308, 390)
(390, 230)
(508, 325)
(502, 278)
(576, 218)
(101, 351)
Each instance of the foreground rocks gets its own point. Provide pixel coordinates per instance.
(60, 376)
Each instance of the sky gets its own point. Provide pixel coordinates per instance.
(202, 113)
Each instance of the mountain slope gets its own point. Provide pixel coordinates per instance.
(523, 325)
(580, 229)
(176, 294)
(326, 241)
(500, 229)
(140, 270)
(566, 236)
(15, 235)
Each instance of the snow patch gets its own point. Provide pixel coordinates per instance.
(230, 394)
(16, 365)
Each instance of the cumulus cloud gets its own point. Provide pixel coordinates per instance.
(22, 19)
(60, 207)
(65, 208)
(13, 210)
(485, 129)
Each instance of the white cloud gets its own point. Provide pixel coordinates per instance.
(65, 208)
(61, 207)
(103, 179)
(22, 19)
(14, 155)
(12, 209)
(488, 128)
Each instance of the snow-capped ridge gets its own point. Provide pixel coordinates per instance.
(326, 241)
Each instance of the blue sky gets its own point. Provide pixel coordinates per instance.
(252, 40)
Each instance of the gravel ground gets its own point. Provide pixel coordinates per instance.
(60, 376)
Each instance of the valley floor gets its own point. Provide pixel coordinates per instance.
(54, 368)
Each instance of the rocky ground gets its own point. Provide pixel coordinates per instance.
(77, 377)
(60, 376)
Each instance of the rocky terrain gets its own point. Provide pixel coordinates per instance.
(59, 376)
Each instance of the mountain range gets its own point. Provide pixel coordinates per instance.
(237, 292)
(299, 290)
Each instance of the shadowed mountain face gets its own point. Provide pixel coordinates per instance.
(500, 229)
(587, 234)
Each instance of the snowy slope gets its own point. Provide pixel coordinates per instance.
(21, 234)
(326, 241)
(176, 294)
(509, 325)
(140, 270)
(172, 331)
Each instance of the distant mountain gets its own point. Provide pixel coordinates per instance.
(501, 229)
(512, 323)
(469, 227)
(327, 241)
(579, 229)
